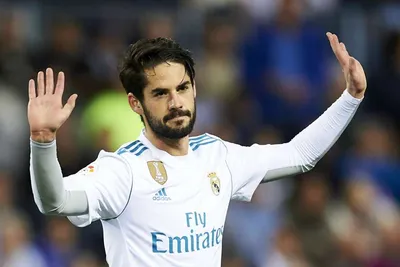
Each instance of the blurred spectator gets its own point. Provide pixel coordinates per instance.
(6, 194)
(374, 153)
(284, 67)
(16, 247)
(65, 51)
(359, 220)
(266, 9)
(288, 250)
(389, 256)
(14, 61)
(13, 130)
(103, 57)
(87, 260)
(230, 256)
(309, 219)
(59, 243)
(382, 98)
(157, 24)
(220, 60)
(220, 63)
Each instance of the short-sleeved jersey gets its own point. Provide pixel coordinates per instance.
(163, 210)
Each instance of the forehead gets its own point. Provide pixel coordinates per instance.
(166, 75)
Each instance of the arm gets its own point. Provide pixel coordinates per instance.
(303, 152)
(49, 191)
(84, 198)
(261, 163)
(46, 114)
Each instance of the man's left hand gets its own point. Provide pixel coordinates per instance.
(356, 80)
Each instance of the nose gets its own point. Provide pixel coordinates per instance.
(175, 101)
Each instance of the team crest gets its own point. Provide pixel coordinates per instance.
(215, 183)
(157, 171)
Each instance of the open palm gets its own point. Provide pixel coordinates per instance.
(46, 113)
(356, 81)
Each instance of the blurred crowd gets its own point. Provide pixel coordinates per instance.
(264, 72)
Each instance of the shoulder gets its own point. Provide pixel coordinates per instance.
(126, 157)
(208, 144)
(241, 151)
(204, 141)
(118, 161)
(134, 148)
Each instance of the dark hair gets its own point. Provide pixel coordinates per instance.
(147, 54)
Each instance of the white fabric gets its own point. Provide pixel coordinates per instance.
(107, 183)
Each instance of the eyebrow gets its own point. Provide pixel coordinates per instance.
(183, 85)
(163, 90)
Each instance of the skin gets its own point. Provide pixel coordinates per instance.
(46, 113)
(169, 88)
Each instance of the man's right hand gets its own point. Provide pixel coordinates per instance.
(46, 113)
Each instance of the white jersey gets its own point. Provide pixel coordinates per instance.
(163, 210)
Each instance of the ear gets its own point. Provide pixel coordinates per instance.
(135, 104)
(194, 90)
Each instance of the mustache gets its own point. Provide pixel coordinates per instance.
(177, 113)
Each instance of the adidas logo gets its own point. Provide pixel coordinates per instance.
(161, 195)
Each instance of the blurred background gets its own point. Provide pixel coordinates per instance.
(265, 71)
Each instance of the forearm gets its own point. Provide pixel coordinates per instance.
(312, 143)
(303, 152)
(47, 183)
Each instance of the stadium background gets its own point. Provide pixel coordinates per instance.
(265, 71)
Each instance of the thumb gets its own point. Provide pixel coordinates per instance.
(70, 105)
(352, 65)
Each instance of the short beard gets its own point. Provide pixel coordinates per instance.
(160, 128)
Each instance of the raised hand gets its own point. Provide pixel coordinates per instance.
(46, 113)
(356, 80)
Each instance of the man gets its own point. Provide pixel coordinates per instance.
(163, 198)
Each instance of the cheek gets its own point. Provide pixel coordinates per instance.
(189, 101)
(157, 110)
(193, 107)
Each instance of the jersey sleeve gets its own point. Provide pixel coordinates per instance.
(250, 165)
(107, 183)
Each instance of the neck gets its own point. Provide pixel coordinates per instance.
(174, 147)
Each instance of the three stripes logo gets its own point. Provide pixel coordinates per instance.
(136, 148)
(204, 139)
(161, 195)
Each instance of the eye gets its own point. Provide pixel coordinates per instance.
(158, 94)
(183, 88)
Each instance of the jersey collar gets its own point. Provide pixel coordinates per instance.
(163, 155)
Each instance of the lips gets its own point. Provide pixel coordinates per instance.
(178, 117)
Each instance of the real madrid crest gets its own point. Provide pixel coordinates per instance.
(215, 183)
(157, 171)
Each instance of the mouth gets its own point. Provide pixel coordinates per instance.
(177, 118)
